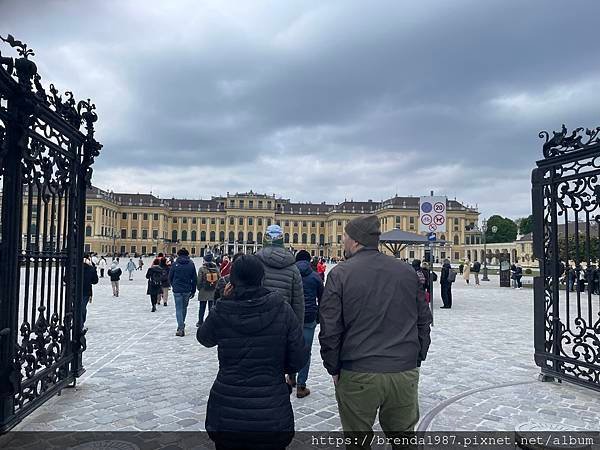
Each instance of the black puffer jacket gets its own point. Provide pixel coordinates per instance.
(282, 275)
(259, 340)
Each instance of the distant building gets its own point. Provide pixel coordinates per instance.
(124, 223)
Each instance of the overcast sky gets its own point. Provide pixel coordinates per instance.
(321, 100)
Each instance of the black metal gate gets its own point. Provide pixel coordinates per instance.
(566, 238)
(45, 168)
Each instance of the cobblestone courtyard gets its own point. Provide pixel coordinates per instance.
(479, 374)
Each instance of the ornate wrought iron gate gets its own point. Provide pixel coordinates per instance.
(45, 168)
(566, 237)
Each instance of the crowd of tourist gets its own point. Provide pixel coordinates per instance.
(262, 310)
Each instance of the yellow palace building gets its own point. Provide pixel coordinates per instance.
(125, 223)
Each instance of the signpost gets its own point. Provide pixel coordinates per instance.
(432, 214)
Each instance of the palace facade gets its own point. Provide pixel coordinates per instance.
(124, 223)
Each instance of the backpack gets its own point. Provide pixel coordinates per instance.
(212, 276)
(476, 266)
(156, 278)
(451, 276)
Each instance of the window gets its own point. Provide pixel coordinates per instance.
(155, 217)
(88, 231)
(194, 221)
(193, 250)
(322, 224)
(411, 254)
(222, 221)
(174, 236)
(250, 204)
(174, 219)
(123, 233)
(124, 217)
(203, 236)
(213, 221)
(194, 236)
(250, 237)
(443, 237)
(304, 238)
(241, 203)
(143, 249)
(287, 223)
(184, 220)
(339, 238)
(231, 237)
(477, 240)
(144, 234)
(398, 219)
(456, 255)
(240, 236)
(321, 239)
(135, 216)
(260, 221)
(304, 223)
(467, 240)
(241, 221)
(221, 236)
(313, 239)
(295, 241)
(145, 216)
(133, 234)
(133, 249)
(269, 222)
(154, 250)
(313, 224)
(204, 221)
(456, 221)
(250, 221)
(411, 220)
(339, 223)
(89, 209)
(295, 223)
(259, 237)
(278, 222)
(155, 234)
(269, 205)
(231, 203)
(260, 204)
(443, 255)
(286, 238)
(456, 239)
(212, 236)
(123, 250)
(231, 221)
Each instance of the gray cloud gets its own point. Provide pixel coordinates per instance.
(321, 100)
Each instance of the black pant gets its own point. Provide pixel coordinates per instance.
(447, 294)
(202, 309)
(102, 273)
(154, 299)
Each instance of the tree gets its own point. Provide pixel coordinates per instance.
(525, 224)
(506, 232)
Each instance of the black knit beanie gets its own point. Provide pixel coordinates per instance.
(364, 230)
(247, 271)
(303, 255)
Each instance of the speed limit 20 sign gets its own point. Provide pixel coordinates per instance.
(432, 214)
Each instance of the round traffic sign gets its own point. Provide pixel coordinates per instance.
(426, 219)
(426, 207)
(439, 207)
(439, 219)
(433, 227)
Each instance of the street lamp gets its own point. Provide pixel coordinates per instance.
(485, 272)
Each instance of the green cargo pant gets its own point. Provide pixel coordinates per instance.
(360, 395)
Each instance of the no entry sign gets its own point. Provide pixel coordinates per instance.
(432, 214)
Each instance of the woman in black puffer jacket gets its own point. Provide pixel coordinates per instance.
(259, 340)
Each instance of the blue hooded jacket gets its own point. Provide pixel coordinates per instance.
(182, 276)
(313, 290)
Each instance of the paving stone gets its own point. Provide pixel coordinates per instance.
(138, 374)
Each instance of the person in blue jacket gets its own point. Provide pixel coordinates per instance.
(182, 278)
(313, 290)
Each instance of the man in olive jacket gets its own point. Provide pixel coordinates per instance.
(375, 327)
